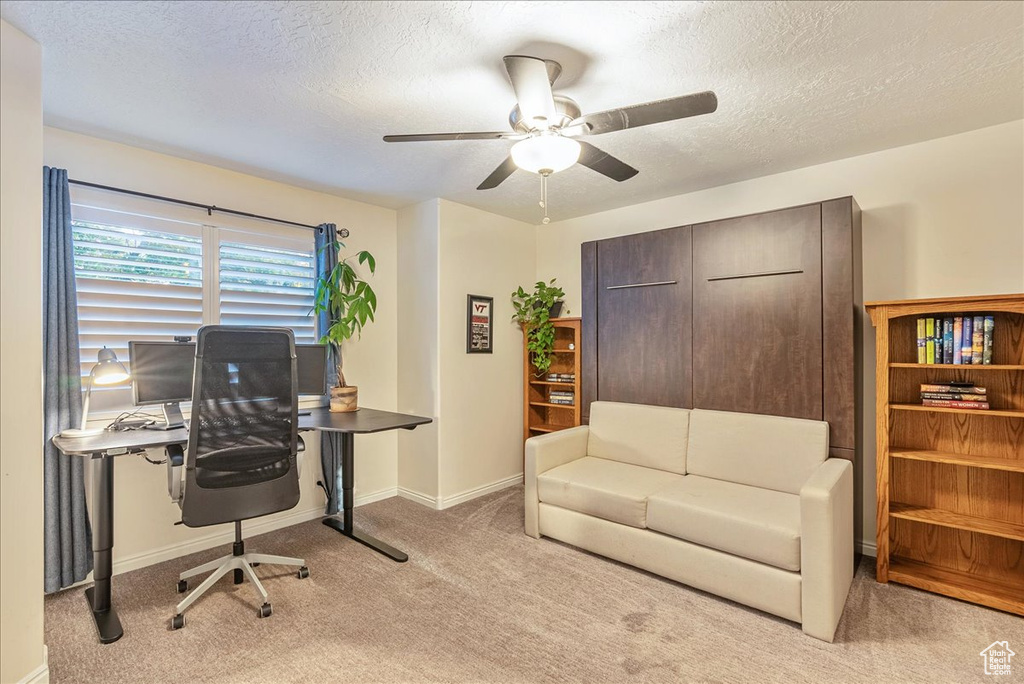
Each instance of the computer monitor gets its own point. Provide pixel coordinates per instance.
(162, 374)
(311, 365)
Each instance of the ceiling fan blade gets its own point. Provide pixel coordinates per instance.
(531, 79)
(499, 174)
(604, 163)
(420, 137)
(649, 113)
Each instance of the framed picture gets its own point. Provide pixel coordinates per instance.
(479, 324)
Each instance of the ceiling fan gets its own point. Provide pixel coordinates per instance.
(546, 126)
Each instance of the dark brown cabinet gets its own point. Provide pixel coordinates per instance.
(645, 277)
(756, 313)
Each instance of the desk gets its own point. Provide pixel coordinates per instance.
(103, 448)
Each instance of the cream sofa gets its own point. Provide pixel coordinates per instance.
(745, 506)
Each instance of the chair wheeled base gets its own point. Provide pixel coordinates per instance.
(242, 564)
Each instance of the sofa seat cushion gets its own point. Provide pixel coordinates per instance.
(611, 490)
(760, 524)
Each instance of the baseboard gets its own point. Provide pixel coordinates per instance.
(463, 497)
(419, 497)
(440, 503)
(867, 548)
(227, 535)
(40, 675)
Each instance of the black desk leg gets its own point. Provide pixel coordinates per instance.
(107, 623)
(344, 525)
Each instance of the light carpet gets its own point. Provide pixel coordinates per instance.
(479, 601)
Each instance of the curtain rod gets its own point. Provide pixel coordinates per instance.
(210, 208)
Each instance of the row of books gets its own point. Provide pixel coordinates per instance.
(962, 395)
(562, 397)
(958, 340)
(561, 377)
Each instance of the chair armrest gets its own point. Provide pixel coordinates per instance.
(175, 471)
(826, 546)
(543, 453)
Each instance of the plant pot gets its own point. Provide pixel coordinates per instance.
(554, 312)
(344, 399)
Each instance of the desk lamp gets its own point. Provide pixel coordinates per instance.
(107, 371)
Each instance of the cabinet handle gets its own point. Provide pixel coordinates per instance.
(624, 287)
(756, 275)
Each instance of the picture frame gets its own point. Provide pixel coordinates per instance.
(479, 324)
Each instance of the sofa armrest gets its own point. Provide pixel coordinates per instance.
(543, 453)
(826, 546)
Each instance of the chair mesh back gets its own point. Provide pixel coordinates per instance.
(243, 433)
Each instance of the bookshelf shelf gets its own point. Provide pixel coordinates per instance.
(958, 584)
(1004, 413)
(540, 414)
(958, 521)
(968, 367)
(949, 485)
(1013, 466)
(547, 404)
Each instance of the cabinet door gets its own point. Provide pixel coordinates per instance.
(644, 313)
(757, 314)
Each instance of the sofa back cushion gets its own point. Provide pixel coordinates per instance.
(648, 436)
(772, 452)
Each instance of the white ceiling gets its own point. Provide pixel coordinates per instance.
(303, 91)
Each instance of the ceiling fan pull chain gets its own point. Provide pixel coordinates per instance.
(544, 197)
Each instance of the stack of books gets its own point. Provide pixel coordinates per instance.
(562, 377)
(958, 340)
(961, 395)
(562, 397)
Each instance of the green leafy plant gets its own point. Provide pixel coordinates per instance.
(349, 300)
(533, 313)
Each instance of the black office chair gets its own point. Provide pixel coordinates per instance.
(240, 462)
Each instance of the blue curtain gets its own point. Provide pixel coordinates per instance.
(330, 442)
(67, 537)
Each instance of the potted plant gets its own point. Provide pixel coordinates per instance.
(351, 303)
(534, 311)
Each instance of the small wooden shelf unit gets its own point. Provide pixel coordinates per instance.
(950, 482)
(539, 414)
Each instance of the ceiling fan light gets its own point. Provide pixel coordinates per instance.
(546, 153)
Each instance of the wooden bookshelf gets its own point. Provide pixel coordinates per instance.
(950, 482)
(540, 415)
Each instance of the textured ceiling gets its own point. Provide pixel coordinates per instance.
(303, 91)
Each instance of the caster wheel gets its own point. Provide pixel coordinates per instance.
(178, 621)
(239, 576)
(303, 572)
(265, 610)
(182, 586)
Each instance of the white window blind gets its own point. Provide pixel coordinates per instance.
(133, 284)
(144, 277)
(263, 284)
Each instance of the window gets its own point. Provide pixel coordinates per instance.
(262, 285)
(141, 277)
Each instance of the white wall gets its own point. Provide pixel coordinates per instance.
(448, 251)
(21, 357)
(940, 218)
(143, 530)
(481, 443)
(418, 392)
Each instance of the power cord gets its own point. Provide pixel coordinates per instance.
(131, 420)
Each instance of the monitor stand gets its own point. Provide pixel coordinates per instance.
(172, 418)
